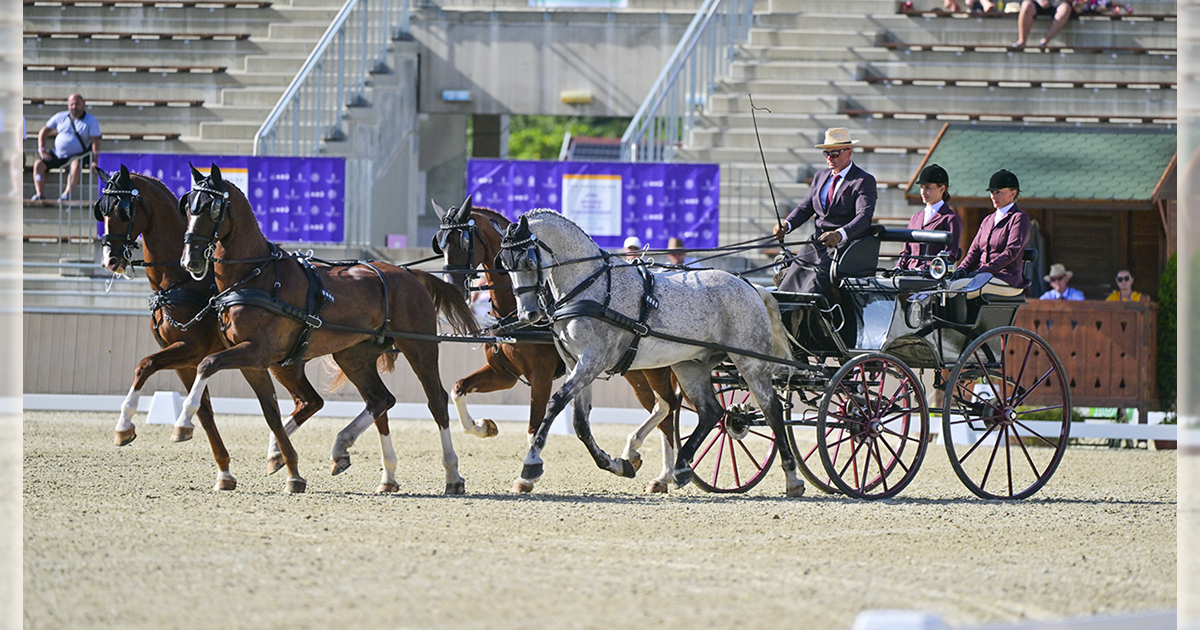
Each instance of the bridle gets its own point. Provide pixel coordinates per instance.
(121, 205)
(193, 204)
(467, 233)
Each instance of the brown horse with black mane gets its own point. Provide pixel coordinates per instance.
(132, 205)
(277, 309)
(470, 237)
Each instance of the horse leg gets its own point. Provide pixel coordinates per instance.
(757, 375)
(583, 429)
(696, 381)
(660, 411)
(532, 468)
(264, 388)
(208, 421)
(359, 364)
(484, 380)
(176, 355)
(666, 394)
(423, 358)
(306, 402)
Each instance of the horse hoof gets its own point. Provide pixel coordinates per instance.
(489, 428)
(458, 487)
(523, 486)
(683, 477)
(796, 490)
(628, 468)
(125, 437)
(340, 464)
(225, 484)
(274, 463)
(387, 488)
(182, 434)
(656, 487)
(532, 472)
(296, 485)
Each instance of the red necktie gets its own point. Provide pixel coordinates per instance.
(832, 185)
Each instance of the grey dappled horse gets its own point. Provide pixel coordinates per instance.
(589, 287)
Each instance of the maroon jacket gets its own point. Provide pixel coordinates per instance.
(1000, 249)
(852, 208)
(944, 220)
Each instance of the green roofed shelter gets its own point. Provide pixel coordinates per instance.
(1103, 197)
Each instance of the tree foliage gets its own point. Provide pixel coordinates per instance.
(541, 137)
(1167, 334)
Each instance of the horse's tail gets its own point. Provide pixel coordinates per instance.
(779, 341)
(448, 301)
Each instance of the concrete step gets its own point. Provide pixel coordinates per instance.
(288, 64)
(230, 130)
(831, 37)
(945, 69)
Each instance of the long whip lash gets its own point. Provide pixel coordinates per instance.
(767, 173)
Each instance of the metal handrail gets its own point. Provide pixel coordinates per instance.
(333, 78)
(704, 54)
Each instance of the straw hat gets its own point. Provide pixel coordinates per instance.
(837, 138)
(1056, 270)
(675, 243)
(633, 242)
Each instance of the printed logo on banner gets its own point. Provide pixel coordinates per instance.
(611, 200)
(294, 199)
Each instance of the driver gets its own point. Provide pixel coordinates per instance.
(842, 198)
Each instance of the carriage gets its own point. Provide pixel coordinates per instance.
(857, 414)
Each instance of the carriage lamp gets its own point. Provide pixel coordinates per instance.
(938, 268)
(778, 265)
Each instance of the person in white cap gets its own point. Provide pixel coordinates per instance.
(842, 198)
(633, 248)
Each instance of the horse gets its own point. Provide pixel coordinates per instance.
(277, 309)
(607, 316)
(132, 206)
(468, 238)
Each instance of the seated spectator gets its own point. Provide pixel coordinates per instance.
(1058, 279)
(633, 248)
(937, 215)
(75, 132)
(1061, 11)
(1125, 292)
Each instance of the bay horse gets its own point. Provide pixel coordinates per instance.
(276, 309)
(468, 238)
(688, 320)
(133, 206)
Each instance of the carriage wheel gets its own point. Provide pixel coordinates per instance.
(873, 427)
(1002, 383)
(808, 461)
(738, 452)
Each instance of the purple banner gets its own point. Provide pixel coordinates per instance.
(294, 198)
(609, 200)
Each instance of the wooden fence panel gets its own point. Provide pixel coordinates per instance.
(1108, 349)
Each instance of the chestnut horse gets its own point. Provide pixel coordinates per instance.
(470, 237)
(131, 205)
(276, 309)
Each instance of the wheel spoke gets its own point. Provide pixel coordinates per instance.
(745, 450)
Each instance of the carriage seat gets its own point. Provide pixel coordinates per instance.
(860, 258)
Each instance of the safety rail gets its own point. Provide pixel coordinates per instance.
(333, 78)
(704, 53)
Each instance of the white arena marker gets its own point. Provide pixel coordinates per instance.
(165, 408)
(897, 620)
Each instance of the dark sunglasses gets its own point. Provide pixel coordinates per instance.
(834, 154)
(1124, 278)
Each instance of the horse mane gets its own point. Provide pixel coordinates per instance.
(491, 214)
(540, 211)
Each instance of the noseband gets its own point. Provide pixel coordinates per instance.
(469, 233)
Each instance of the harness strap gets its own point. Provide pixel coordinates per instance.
(640, 329)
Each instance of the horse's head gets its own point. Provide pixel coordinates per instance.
(117, 208)
(521, 255)
(456, 241)
(206, 207)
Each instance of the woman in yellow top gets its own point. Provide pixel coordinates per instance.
(1125, 292)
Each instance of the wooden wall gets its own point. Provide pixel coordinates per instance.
(1108, 349)
(96, 354)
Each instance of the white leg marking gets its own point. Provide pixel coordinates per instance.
(470, 426)
(668, 457)
(128, 408)
(449, 457)
(389, 461)
(191, 403)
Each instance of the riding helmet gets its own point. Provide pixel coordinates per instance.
(933, 174)
(1003, 179)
